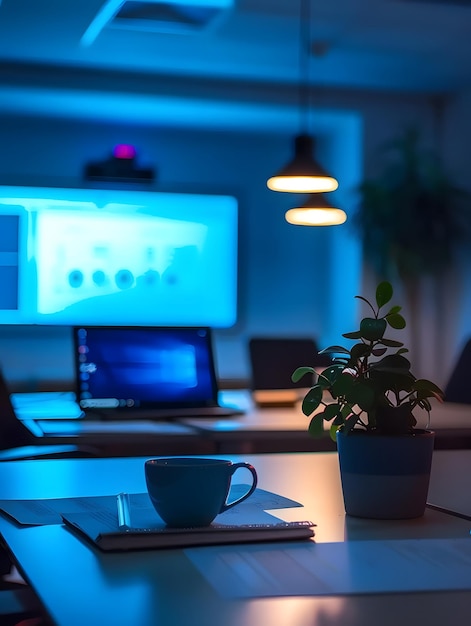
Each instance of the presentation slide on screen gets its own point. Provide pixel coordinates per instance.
(113, 257)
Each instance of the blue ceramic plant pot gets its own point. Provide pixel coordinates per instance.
(385, 476)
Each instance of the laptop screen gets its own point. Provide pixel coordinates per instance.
(144, 367)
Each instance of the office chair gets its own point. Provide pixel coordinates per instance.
(17, 443)
(273, 360)
(458, 388)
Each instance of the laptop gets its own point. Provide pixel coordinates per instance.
(146, 373)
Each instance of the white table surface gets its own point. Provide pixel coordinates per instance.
(81, 586)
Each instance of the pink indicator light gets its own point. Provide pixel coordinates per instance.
(124, 151)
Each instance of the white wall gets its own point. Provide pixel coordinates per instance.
(455, 328)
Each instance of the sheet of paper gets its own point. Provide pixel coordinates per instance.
(41, 512)
(351, 567)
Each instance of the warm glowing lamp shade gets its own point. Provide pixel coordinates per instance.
(316, 212)
(303, 174)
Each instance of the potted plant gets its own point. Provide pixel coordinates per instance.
(412, 218)
(370, 397)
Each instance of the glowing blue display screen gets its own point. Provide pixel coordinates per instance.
(113, 257)
(139, 367)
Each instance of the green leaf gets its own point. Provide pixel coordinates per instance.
(346, 411)
(350, 422)
(333, 432)
(359, 350)
(393, 310)
(332, 411)
(330, 375)
(316, 426)
(312, 400)
(391, 343)
(334, 349)
(394, 379)
(372, 329)
(300, 372)
(355, 335)
(391, 362)
(427, 389)
(341, 360)
(343, 385)
(396, 321)
(422, 383)
(378, 351)
(384, 293)
(361, 394)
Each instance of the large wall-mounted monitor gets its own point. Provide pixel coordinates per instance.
(115, 257)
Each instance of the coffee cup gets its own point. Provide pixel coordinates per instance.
(189, 492)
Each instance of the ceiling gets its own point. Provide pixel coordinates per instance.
(54, 46)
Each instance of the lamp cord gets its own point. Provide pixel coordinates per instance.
(304, 58)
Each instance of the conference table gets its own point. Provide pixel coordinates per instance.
(354, 571)
(257, 430)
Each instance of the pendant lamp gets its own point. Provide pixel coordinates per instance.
(316, 211)
(303, 174)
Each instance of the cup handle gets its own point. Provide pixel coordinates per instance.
(235, 467)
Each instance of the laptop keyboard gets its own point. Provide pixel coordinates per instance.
(163, 414)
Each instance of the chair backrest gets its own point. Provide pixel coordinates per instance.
(458, 387)
(17, 442)
(274, 359)
(13, 433)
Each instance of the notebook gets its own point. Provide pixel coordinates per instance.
(147, 372)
